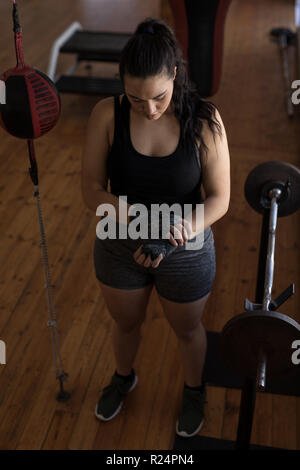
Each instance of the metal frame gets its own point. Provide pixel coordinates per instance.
(60, 41)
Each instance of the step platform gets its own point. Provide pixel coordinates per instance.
(89, 85)
(89, 46)
(96, 46)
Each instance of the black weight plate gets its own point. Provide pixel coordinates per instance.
(273, 174)
(245, 335)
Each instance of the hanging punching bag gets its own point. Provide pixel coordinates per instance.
(32, 106)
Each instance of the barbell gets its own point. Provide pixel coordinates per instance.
(258, 343)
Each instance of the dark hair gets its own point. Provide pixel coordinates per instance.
(152, 49)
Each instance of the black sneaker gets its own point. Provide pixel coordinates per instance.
(191, 416)
(111, 400)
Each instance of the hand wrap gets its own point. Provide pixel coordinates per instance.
(154, 247)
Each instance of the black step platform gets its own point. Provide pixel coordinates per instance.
(97, 46)
(89, 85)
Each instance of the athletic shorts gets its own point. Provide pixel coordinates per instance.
(185, 275)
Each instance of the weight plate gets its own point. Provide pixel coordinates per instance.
(274, 174)
(245, 335)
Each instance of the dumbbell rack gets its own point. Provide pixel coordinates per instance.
(89, 46)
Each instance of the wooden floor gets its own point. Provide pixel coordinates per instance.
(251, 102)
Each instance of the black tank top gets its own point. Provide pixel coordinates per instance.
(174, 178)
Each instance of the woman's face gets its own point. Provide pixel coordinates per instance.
(150, 97)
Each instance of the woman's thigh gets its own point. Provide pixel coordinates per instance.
(126, 286)
(184, 317)
(184, 284)
(127, 307)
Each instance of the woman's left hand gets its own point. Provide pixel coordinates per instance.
(180, 233)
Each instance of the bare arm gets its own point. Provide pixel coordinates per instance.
(216, 178)
(94, 176)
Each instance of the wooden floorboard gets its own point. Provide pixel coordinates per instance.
(252, 106)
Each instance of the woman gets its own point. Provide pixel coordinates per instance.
(157, 143)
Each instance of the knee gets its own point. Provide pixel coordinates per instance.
(188, 333)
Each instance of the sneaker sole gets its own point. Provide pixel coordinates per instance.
(102, 418)
(185, 434)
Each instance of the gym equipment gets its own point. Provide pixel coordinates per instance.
(199, 28)
(263, 340)
(32, 103)
(257, 344)
(89, 46)
(31, 109)
(274, 175)
(285, 37)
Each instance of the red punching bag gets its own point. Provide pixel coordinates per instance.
(32, 105)
(32, 108)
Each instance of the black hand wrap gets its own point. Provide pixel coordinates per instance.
(155, 247)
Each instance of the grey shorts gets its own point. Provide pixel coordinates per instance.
(184, 276)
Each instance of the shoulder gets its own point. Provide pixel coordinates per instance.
(219, 132)
(102, 117)
(212, 124)
(106, 105)
(103, 110)
(216, 143)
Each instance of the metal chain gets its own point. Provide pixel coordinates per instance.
(52, 323)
